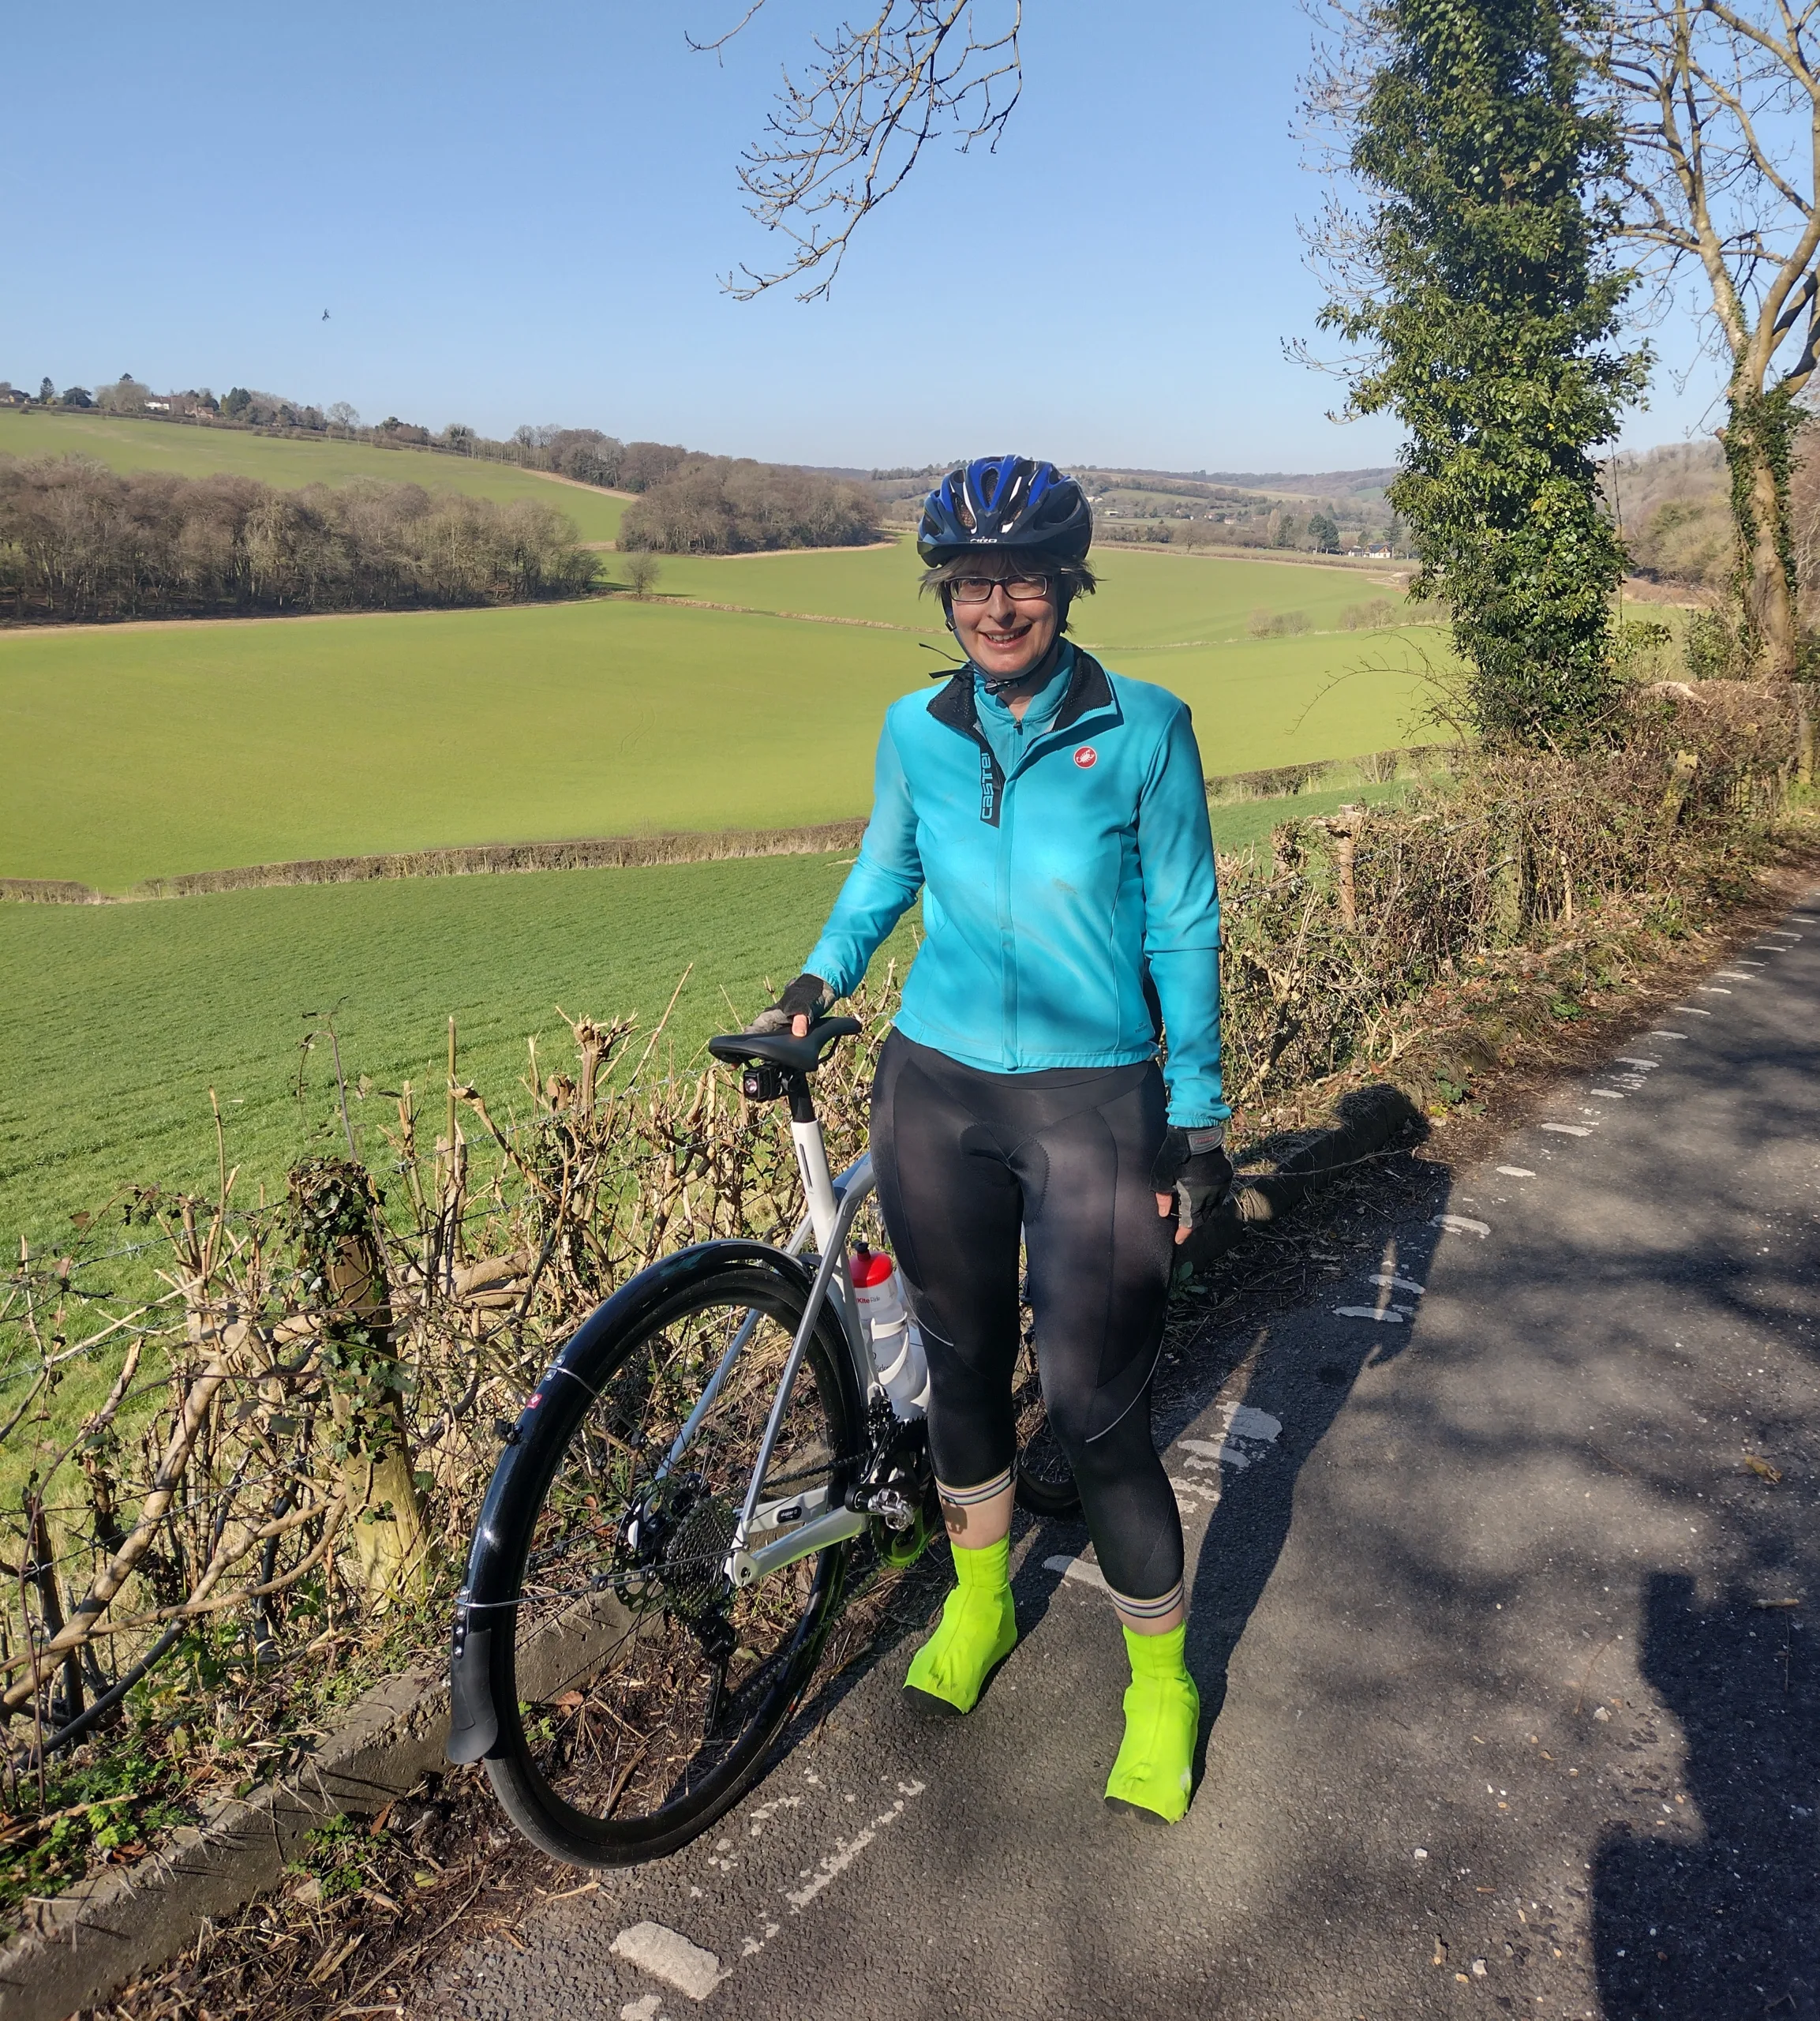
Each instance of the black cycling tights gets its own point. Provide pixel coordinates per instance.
(964, 1158)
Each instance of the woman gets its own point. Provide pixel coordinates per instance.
(1054, 816)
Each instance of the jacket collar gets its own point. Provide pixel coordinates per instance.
(1089, 690)
(954, 704)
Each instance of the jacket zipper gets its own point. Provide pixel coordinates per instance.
(1007, 930)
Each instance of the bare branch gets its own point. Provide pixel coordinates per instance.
(1718, 102)
(848, 132)
(1710, 94)
(716, 43)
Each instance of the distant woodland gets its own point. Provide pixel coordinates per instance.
(699, 504)
(721, 505)
(80, 541)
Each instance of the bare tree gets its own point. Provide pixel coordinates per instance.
(848, 130)
(1721, 111)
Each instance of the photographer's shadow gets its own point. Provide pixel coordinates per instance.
(1689, 1928)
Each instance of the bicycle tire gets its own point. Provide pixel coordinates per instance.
(1044, 1482)
(622, 1734)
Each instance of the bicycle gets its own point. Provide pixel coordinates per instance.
(666, 1537)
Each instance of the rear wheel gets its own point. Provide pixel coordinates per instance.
(641, 1689)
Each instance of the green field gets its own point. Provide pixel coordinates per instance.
(118, 1020)
(188, 450)
(158, 749)
(1143, 599)
(137, 751)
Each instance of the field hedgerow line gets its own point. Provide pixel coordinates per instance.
(263, 740)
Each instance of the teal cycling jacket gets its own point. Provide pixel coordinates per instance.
(1070, 905)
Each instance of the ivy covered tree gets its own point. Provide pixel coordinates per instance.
(1471, 260)
(1720, 106)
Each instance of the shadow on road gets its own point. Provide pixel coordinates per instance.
(1688, 1927)
(1250, 1524)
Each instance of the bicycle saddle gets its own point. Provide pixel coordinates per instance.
(795, 1056)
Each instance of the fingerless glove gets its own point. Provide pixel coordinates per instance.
(1192, 1165)
(808, 996)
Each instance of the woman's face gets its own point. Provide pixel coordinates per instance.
(1004, 635)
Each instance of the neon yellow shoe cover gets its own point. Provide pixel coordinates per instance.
(1154, 1772)
(978, 1629)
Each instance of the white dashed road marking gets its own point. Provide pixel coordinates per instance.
(846, 1851)
(1203, 1452)
(1712, 989)
(1246, 1421)
(1390, 1317)
(671, 1957)
(1734, 975)
(1461, 1225)
(1570, 1129)
(1627, 1059)
(1516, 1172)
(1243, 1421)
(1259, 1431)
(1660, 1034)
(1395, 1284)
(1607, 1094)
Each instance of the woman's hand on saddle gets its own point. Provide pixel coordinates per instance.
(1192, 1175)
(797, 1009)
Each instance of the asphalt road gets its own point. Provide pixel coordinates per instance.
(1504, 1705)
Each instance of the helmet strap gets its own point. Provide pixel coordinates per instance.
(1039, 673)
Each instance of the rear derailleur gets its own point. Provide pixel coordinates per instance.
(897, 1488)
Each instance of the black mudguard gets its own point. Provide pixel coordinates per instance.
(535, 1444)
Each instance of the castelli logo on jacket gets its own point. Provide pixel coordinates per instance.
(1086, 757)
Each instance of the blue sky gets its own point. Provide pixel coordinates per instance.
(522, 214)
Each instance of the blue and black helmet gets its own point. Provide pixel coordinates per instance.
(1004, 502)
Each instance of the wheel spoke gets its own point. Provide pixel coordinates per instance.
(644, 1675)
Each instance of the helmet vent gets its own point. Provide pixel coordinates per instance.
(1005, 502)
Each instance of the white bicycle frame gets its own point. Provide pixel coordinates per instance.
(772, 1535)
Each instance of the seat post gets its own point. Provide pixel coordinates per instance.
(775, 1063)
(812, 1160)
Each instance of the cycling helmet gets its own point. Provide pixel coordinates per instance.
(1005, 501)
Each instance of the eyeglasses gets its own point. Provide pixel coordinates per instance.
(1020, 589)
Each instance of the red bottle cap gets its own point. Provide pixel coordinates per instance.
(868, 1266)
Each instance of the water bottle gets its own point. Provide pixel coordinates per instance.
(896, 1345)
